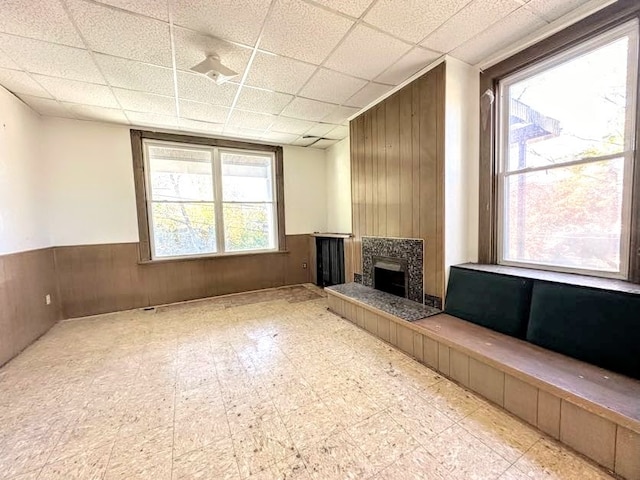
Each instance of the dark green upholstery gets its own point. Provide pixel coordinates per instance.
(596, 326)
(498, 302)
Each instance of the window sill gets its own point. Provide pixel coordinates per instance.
(211, 257)
(601, 283)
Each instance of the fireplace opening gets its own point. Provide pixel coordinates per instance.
(390, 275)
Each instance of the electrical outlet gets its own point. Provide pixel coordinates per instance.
(304, 265)
(47, 299)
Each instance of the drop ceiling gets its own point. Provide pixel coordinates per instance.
(305, 66)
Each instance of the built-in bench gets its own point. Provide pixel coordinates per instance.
(596, 411)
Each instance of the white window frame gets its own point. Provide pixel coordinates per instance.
(217, 202)
(630, 29)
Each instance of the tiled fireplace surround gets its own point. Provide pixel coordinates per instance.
(410, 250)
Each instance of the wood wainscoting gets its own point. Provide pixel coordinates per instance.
(97, 279)
(397, 172)
(25, 279)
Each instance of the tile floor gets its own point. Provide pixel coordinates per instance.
(267, 385)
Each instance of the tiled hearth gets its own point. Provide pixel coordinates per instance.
(410, 250)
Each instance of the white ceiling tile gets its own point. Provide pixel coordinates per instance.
(501, 34)
(203, 111)
(150, 8)
(303, 142)
(236, 20)
(412, 20)
(339, 132)
(122, 34)
(324, 143)
(291, 125)
(46, 106)
(551, 10)
(366, 53)
(78, 92)
(145, 102)
(43, 20)
(50, 59)
(280, 138)
(331, 86)
(412, 62)
(368, 94)
(340, 115)
(196, 125)
(355, 8)
(100, 114)
(6, 62)
(192, 48)
(264, 101)
(278, 73)
(20, 82)
(151, 119)
(303, 31)
(192, 86)
(252, 120)
(468, 22)
(320, 129)
(308, 109)
(123, 73)
(242, 132)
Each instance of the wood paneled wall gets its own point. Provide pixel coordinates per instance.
(97, 279)
(397, 172)
(25, 279)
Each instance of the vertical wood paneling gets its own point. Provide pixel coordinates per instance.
(397, 172)
(393, 165)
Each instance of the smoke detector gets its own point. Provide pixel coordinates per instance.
(212, 68)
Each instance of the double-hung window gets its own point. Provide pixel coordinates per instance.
(204, 200)
(565, 153)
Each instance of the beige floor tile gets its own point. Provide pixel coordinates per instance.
(336, 457)
(461, 456)
(90, 465)
(215, 461)
(421, 419)
(382, 440)
(548, 460)
(227, 387)
(502, 433)
(257, 448)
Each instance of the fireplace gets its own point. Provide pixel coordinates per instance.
(390, 275)
(394, 265)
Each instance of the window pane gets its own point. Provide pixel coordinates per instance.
(180, 174)
(574, 110)
(183, 229)
(569, 217)
(246, 178)
(248, 226)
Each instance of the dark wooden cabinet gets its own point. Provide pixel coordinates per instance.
(329, 261)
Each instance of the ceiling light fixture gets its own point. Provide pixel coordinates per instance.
(212, 68)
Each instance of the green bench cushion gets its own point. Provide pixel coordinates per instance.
(596, 326)
(495, 301)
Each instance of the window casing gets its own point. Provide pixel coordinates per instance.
(202, 197)
(565, 158)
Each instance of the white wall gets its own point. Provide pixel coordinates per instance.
(338, 158)
(305, 205)
(462, 111)
(22, 198)
(91, 195)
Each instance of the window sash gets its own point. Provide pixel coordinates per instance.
(217, 201)
(631, 31)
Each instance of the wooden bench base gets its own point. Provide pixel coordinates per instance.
(594, 411)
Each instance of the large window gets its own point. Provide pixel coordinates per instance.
(565, 154)
(202, 200)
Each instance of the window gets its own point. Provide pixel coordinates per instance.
(565, 154)
(206, 199)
